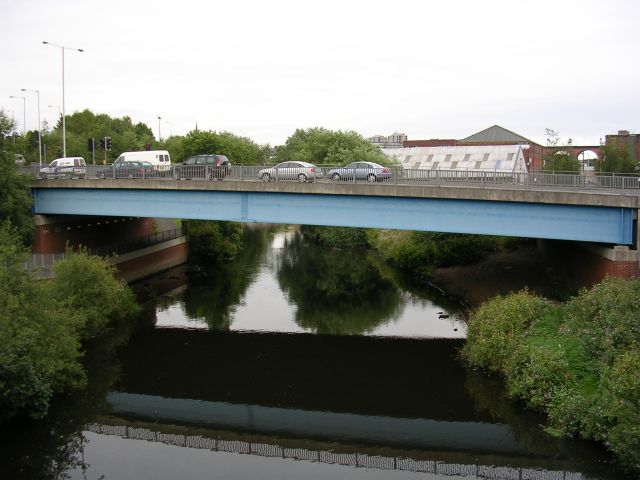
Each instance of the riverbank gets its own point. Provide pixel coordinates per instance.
(499, 274)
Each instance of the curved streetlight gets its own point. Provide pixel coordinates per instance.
(39, 125)
(24, 114)
(64, 132)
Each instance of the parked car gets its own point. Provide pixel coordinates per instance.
(300, 171)
(65, 167)
(128, 170)
(203, 166)
(369, 171)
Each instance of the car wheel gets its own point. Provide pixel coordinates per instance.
(266, 177)
(371, 178)
(302, 177)
(335, 177)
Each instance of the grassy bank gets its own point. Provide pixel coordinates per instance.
(578, 362)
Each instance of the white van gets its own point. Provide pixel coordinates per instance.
(65, 167)
(160, 159)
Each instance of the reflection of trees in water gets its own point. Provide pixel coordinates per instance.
(214, 292)
(336, 291)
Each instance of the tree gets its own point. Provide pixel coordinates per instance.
(39, 347)
(321, 146)
(87, 284)
(558, 157)
(616, 158)
(240, 150)
(15, 192)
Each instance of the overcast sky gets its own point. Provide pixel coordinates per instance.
(261, 69)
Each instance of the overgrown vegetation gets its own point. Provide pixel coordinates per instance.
(43, 324)
(577, 362)
(419, 253)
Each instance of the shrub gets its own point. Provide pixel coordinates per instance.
(39, 347)
(337, 237)
(498, 328)
(87, 285)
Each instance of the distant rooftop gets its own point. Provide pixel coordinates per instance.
(496, 134)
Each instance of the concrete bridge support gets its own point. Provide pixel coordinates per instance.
(585, 264)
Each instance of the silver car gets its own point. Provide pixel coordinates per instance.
(299, 171)
(369, 171)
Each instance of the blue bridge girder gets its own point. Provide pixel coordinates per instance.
(589, 223)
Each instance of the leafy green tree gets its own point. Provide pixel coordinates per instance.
(616, 158)
(15, 190)
(80, 126)
(39, 345)
(240, 150)
(87, 284)
(326, 147)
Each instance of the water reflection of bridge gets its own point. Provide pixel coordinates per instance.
(356, 459)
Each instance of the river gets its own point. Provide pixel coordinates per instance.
(291, 361)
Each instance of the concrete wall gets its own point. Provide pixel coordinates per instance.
(147, 261)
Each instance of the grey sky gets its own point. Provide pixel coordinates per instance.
(264, 68)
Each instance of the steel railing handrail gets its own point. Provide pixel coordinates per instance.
(534, 180)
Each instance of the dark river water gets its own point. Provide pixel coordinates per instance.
(292, 361)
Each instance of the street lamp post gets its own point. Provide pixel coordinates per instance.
(24, 114)
(159, 134)
(39, 125)
(64, 133)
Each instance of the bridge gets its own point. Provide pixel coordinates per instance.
(541, 205)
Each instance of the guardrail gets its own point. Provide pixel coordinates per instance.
(629, 183)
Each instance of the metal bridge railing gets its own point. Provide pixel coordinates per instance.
(539, 180)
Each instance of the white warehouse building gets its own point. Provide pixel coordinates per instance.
(487, 158)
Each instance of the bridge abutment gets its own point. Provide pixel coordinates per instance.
(54, 232)
(585, 264)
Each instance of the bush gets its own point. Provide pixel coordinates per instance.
(42, 324)
(418, 253)
(39, 348)
(337, 237)
(578, 363)
(498, 327)
(87, 285)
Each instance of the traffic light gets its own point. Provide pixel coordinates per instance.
(91, 144)
(107, 143)
(102, 143)
(147, 146)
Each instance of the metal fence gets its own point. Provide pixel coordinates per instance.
(591, 182)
